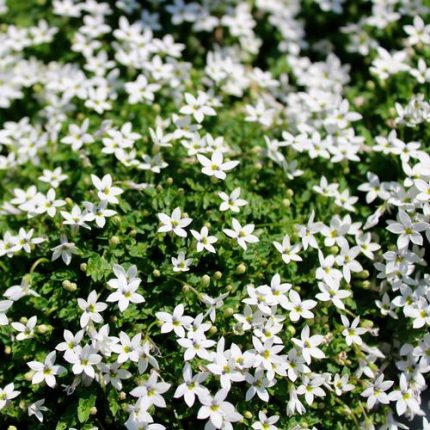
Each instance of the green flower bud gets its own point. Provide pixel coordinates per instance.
(247, 415)
(69, 201)
(83, 267)
(333, 249)
(93, 411)
(122, 395)
(69, 286)
(213, 330)
(156, 273)
(291, 330)
(367, 323)
(186, 288)
(217, 275)
(133, 233)
(42, 328)
(114, 240)
(286, 203)
(7, 350)
(241, 269)
(205, 280)
(23, 320)
(290, 192)
(116, 220)
(169, 181)
(364, 274)
(228, 312)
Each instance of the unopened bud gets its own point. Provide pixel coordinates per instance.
(28, 376)
(291, 330)
(333, 249)
(69, 201)
(7, 350)
(122, 395)
(83, 267)
(205, 280)
(156, 273)
(367, 323)
(133, 233)
(69, 286)
(213, 330)
(228, 312)
(114, 240)
(364, 274)
(93, 411)
(290, 192)
(186, 288)
(247, 415)
(42, 328)
(217, 275)
(286, 203)
(241, 269)
(116, 220)
(169, 181)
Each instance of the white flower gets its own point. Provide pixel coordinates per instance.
(215, 166)
(243, 235)
(64, 250)
(46, 371)
(407, 230)
(265, 422)
(333, 293)
(217, 410)
(198, 106)
(7, 393)
(375, 393)
(26, 331)
(298, 308)
(176, 322)
(352, 332)
(191, 386)
(180, 263)
(83, 360)
(204, 241)
(231, 202)
(289, 252)
(37, 408)
(175, 223)
(309, 344)
(126, 291)
(78, 136)
(91, 309)
(4, 306)
(77, 218)
(105, 189)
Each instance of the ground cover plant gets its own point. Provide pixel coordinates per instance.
(215, 214)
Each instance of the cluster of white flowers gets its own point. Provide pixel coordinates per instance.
(304, 115)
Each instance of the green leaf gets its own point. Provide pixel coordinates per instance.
(86, 402)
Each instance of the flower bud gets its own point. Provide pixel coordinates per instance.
(217, 275)
(169, 181)
(83, 267)
(69, 201)
(247, 415)
(122, 395)
(241, 269)
(290, 192)
(93, 411)
(213, 330)
(133, 233)
(114, 240)
(7, 350)
(69, 286)
(364, 274)
(116, 220)
(29, 375)
(42, 328)
(291, 330)
(205, 280)
(228, 312)
(12, 428)
(156, 273)
(23, 320)
(333, 249)
(229, 287)
(186, 288)
(367, 323)
(286, 203)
